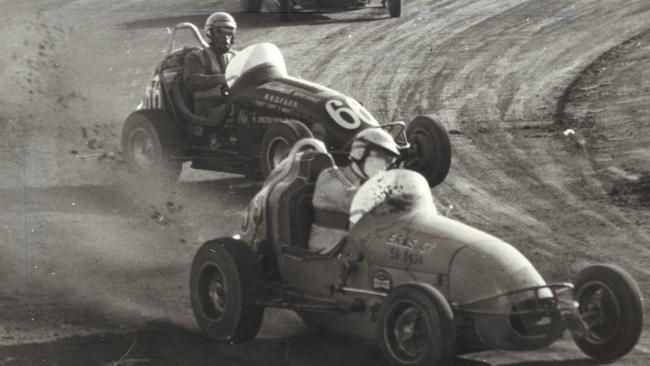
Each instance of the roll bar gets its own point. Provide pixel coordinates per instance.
(185, 25)
(398, 130)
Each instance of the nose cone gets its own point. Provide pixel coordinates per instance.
(489, 267)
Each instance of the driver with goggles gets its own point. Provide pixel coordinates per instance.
(373, 151)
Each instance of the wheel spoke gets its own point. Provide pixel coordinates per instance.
(411, 332)
(600, 313)
(213, 292)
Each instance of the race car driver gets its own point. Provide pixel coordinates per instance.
(373, 151)
(204, 70)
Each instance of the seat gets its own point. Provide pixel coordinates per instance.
(295, 209)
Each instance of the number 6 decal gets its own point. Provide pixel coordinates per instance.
(348, 116)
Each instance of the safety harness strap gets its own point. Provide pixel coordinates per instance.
(331, 219)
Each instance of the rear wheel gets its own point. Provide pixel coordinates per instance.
(394, 8)
(149, 142)
(416, 327)
(277, 143)
(430, 152)
(610, 305)
(225, 281)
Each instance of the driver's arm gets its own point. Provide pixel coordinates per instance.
(195, 74)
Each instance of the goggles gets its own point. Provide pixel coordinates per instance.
(381, 154)
(228, 32)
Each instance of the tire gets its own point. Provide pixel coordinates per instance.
(430, 152)
(251, 6)
(411, 312)
(149, 142)
(611, 306)
(277, 143)
(224, 282)
(394, 8)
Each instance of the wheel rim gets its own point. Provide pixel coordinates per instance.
(422, 151)
(143, 149)
(600, 311)
(407, 331)
(213, 292)
(278, 150)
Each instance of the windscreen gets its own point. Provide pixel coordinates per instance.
(257, 55)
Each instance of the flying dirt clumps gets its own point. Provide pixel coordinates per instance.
(164, 217)
(34, 63)
(100, 146)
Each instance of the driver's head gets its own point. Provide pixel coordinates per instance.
(220, 29)
(373, 151)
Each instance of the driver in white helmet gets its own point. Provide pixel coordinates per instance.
(373, 151)
(204, 70)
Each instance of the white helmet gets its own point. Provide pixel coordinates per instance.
(220, 19)
(373, 138)
(368, 140)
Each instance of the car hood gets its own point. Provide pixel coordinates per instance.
(465, 263)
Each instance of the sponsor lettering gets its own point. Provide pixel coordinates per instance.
(249, 117)
(381, 280)
(282, 101)
(406, 256)
(402, 241)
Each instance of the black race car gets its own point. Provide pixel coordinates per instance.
(286, 7)
(265, 113)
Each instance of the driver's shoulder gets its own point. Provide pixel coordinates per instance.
(328, 173)
(336, 175)
(195, 53)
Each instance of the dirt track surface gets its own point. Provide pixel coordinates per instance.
(95, 268)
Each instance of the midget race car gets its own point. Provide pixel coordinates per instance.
(265, 111)
(286, 7)
(423, 286)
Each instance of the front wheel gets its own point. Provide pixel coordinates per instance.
(416, 327)
(225, 280)
(610, 305)
(277, 143)
(394, 8)
(149, 142)
(430, 152)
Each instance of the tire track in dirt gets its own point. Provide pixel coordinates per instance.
(608, 102)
